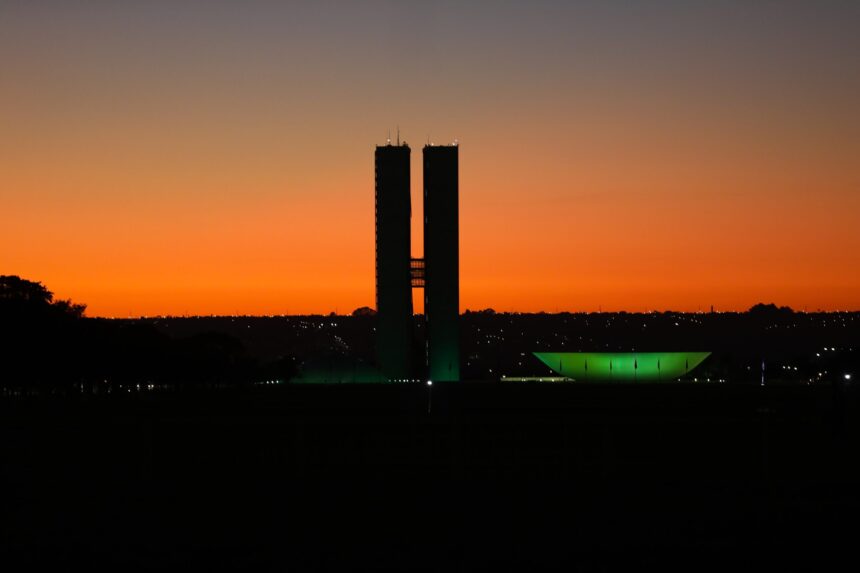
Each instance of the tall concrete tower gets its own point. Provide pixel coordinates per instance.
(393, 256)
(442, 261)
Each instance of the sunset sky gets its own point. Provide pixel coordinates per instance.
(213, 157)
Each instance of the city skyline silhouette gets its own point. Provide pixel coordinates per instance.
(606, 317)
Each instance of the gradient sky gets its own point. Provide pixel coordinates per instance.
(214, 157)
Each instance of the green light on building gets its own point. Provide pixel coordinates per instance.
(622, 366)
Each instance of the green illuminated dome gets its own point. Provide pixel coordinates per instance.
(622, 366)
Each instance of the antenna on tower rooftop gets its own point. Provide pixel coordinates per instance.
(398, 135)
(389, 137)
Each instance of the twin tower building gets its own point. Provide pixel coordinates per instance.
(398, 348)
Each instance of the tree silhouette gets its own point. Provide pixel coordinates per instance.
(14, 288)
(41, 340)
(17, 294)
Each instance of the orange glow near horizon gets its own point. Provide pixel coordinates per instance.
(221, 172)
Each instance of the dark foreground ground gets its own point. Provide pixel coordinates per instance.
(567, 477)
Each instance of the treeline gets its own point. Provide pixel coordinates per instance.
(49, 346)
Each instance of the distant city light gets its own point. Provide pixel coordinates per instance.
(848, 377)
(429, 382)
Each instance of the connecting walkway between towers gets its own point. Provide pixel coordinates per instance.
(416, 272)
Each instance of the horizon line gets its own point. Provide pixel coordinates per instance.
(467, 311)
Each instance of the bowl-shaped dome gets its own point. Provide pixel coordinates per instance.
(622, 366)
